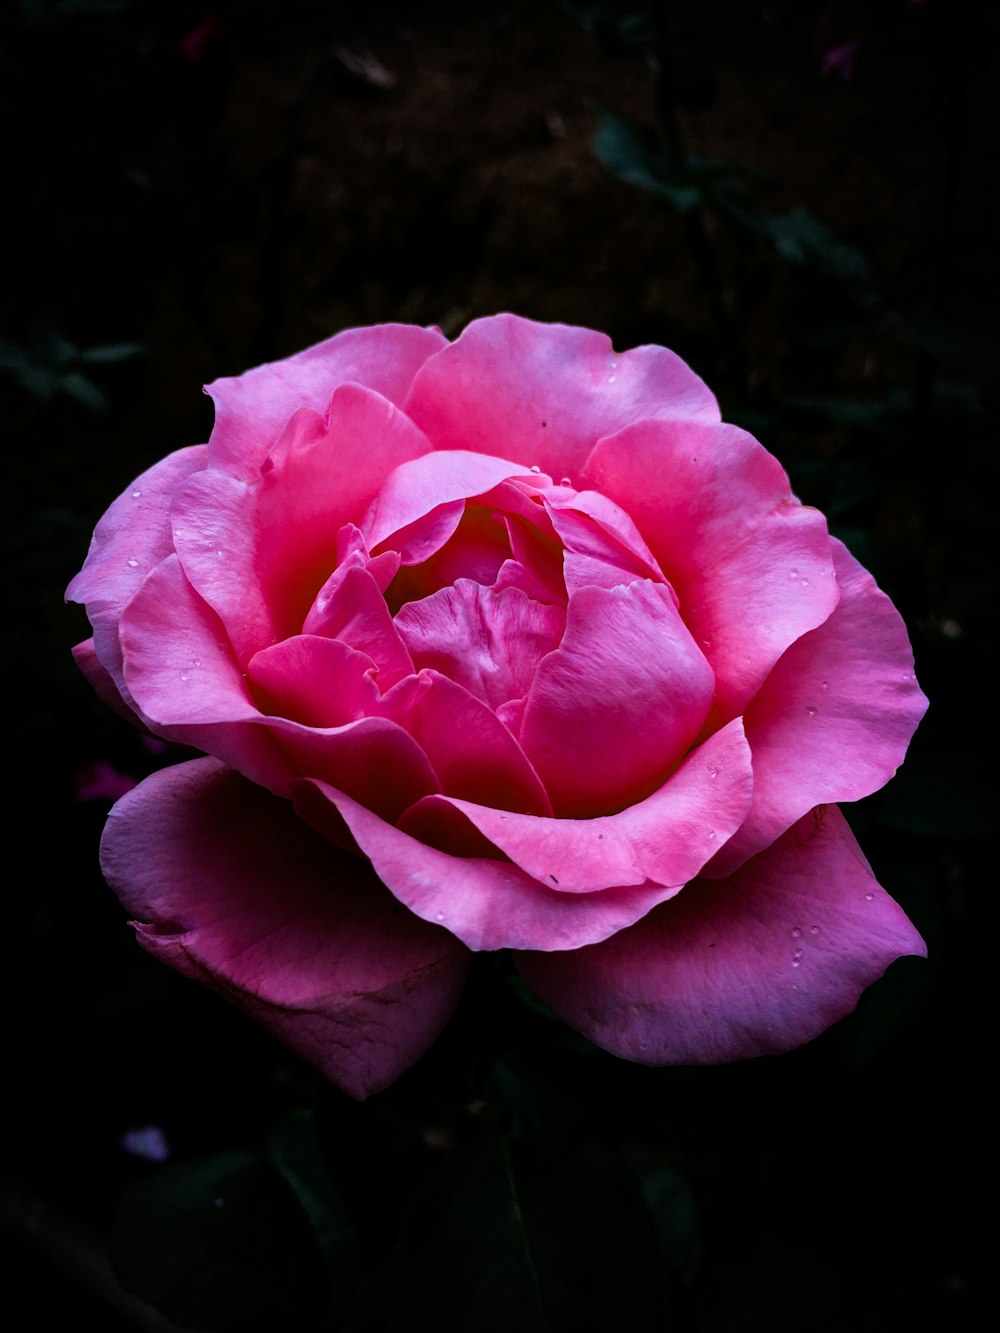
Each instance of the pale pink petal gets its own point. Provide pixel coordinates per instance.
(666, 838)
(751, 566)
(418, 487)
(131, 538)
(252, 409)
(471, 751)
(833, 719)
(229, 887)
(316, 681)
(612, 710)
(590, 524)
(190, 689)
(762, 962)
(545, 393)
(488, 904)
(351, 608)
(489, 642)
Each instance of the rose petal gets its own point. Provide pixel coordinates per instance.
(833, 719)
(252, 409)
(615, 706)
(552, 391)
(131, 538)
(751, 566)
(666, 839)
(101, 680)
(418, 487)
(259, 551)
(186, 681)
(351, 608)
(488, 904)
(472, 752)
(759, 963)
(489, 642)
(229, 887)
(316, 681)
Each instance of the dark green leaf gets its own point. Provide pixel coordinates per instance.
(537, 1237)
(218, 1243)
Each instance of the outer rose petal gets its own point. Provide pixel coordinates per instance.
(131, 538)
(488, 904)
(251, 409)
(101, 680)
(752, 566)
(545, 393)
(231, 888)
(760, 963)
(833, 719)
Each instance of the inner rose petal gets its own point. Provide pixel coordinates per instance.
(489, 642)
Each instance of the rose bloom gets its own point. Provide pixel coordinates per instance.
(505, 643)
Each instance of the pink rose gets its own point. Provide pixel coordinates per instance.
(507, 643)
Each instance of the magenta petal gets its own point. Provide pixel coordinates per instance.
(319, 682)
(185, 679)
(665, 839)
(351, 608)
(228, 886)
(552, 391)
(252, 409)
(472, 752)
(751, 566)
(616, 705)
(417, 488)
(833, 719)
(761, 962)
(488, 642)
(132, 537)
(488, 904)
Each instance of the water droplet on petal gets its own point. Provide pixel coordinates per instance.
(814, 930)
(184, 675)
(811, 711)
(535, 467)
(796, 962)
(136, 494)
(804, 582)
(713, 773)
(712, 835)
(132, 562)
(440, 916)
(565, 481)
(824, 684)
(869, 897)
(796, 932)
(612, 378)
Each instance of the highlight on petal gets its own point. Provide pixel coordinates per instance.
(488, 904)
(229, 887)
(552, 391)
(613, 709)
(834, 718)
(251, 409)
(724, 971)
(751, 566)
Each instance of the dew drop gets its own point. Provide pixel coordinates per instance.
(219, 554)
(440, 916)
(612, 378)
(796, 932)
(811, 710)
(196, 662)
(565, 481)
(132, 562)
(535, 467)
(824, 684)
(814, 930)
(797, 953)
(869, 897)
(136, 494)
(713, 773)
(796, 962)
(184, 675)
(712, 835)
(804, 582)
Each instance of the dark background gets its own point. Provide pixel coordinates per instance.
(801, 199)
